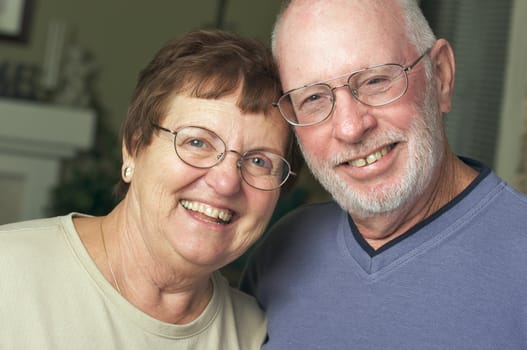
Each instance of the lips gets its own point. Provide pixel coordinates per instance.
(372, 157)
(221, 216)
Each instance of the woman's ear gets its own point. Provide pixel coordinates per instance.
(444, 69)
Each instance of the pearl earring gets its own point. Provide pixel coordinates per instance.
(128, 171)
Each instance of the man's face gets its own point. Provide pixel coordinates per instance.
(371, 159)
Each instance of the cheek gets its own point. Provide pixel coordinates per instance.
(402, 120)
(149, 189)
(160, 177)
(261, 207)
(401, 115)
(315, 141)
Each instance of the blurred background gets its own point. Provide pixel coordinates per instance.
(67, 70)
(68, 67)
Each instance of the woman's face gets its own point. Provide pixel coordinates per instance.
(175, 207)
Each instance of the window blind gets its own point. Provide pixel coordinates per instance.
(478, 31)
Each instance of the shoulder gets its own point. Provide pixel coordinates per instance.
(306, 222)
(295, 237)
(31, 231)
(312, 208)
(35, 251)
(30, 225)
(306, 216)
(498, 201)
(243, 313)
(490, 189)
(32, 238)
(244, 306)
(247, 310)
(492, 220)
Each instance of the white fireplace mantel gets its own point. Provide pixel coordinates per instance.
(34, 139)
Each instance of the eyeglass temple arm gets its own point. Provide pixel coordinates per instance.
(164, 129)
(410, 67)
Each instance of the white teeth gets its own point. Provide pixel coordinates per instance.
(359, 162)
(371, 158)
(222, 215)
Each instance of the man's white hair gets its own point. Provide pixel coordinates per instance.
(418, 30)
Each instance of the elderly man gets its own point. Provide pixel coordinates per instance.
(425, 249)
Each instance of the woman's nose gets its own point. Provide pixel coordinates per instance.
(225, 176)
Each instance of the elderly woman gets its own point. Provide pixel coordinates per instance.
(204, 156)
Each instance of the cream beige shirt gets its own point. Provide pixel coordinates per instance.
(52, 296)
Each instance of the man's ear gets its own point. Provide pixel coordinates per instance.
(444, 69)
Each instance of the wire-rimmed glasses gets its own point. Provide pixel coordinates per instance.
(202, 148)
(373, 86)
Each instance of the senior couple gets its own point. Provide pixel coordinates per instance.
(420, 248)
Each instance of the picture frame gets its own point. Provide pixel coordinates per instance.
(15, 16)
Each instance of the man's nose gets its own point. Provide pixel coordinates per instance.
(351, 119)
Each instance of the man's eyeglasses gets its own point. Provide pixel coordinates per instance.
(374, 86)
(202, 148)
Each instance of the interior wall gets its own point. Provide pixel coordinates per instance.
(511, 153)
(479, 34)
(124, 35)
(489, 117)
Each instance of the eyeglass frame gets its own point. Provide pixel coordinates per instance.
(353, 91)
(222, 155)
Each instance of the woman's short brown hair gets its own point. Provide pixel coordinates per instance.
(207, 64)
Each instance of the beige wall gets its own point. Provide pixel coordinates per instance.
(511, 151)
(123, 35)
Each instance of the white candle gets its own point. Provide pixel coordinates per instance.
(53, 54)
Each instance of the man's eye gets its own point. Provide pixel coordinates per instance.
(376, 80)
(315, 99)
(308, 100)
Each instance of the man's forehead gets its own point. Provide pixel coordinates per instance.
(318, 43)
(362, 17)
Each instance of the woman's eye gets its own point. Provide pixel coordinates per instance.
(260, 162)
(197, 143)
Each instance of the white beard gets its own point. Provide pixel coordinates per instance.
(425, 147)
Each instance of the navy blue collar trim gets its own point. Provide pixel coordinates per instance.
(483, 170)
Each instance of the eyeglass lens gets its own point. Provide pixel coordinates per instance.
(201, 148)
(374, 86)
